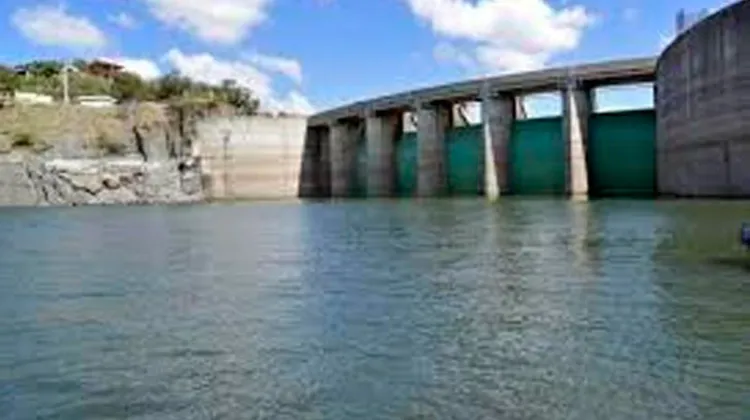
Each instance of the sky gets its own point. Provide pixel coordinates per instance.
(309, 55)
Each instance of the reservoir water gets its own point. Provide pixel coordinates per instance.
(448, 309)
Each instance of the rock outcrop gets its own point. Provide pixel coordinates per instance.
(68, 155)
(28, 180)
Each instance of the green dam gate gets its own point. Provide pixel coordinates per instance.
(622, 154)
(537, 157)
(621, 158)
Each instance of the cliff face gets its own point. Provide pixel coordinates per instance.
(74, 156)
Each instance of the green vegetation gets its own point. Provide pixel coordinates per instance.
(45, 77)
(22, 140)
(27, 140)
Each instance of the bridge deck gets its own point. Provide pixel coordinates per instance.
(596, 74)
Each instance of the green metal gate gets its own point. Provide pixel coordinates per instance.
(406, 165)
(464, 146)
(537, 157)
(622, 154)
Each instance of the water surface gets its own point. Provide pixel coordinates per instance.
(529, 309)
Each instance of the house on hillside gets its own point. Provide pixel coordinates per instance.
(103, 68)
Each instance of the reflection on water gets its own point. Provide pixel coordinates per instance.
(383, 310)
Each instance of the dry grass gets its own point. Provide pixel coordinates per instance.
(108, 129)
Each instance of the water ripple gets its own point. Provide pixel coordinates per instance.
(380, 310)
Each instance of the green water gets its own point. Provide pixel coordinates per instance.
(528, 309)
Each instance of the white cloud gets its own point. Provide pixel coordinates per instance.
(123, 20)
(506, 35)
(208, 69)
(53, 26)
(289, 67)
(222, 21)
(145, 68)
(448, 53)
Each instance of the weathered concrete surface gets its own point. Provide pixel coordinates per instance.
(343, 157)
(28, 180)
(382, 132)
(703, 108)
(433, 120)
(314, 180)
(576, 111)
(498, 116)
(257, 157)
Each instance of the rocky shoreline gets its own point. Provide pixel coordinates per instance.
(28, 180)
(72, 155)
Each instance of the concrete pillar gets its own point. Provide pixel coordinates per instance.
(521, 108)
(343, 152)
(310, 172)
(576, 111)
(324, 169)
(382, 132)
(498, 113)
(433, 120)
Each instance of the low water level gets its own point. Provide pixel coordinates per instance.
(529, 309)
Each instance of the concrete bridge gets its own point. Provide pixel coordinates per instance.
(373, 130)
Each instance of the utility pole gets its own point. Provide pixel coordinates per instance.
(67, 68)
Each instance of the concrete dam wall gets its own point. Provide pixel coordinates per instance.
(703, 105)
(695, 143)
(620, 157)
(362, 149)
(256, 157)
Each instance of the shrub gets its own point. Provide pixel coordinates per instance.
(22, 140)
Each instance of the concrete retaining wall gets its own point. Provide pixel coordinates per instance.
(703, 108)
(257, 157)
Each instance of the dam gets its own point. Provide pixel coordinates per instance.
(692, 143)
(362, 149)
(692, 140)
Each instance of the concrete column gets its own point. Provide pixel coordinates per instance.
(310, 172)
(521, 108)
(576, 111)
(343, 152)
(382, 132)
(433, 120)
(324, 169)
(498, 113)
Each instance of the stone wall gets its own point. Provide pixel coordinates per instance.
(703, 108)
(257, 157)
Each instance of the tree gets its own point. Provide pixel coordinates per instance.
(237, 96)
(80, 63)
(130, 86)
(9, 81)
(44, 68)
(172, 86)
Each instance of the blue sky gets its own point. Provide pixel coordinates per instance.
(314, 54)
